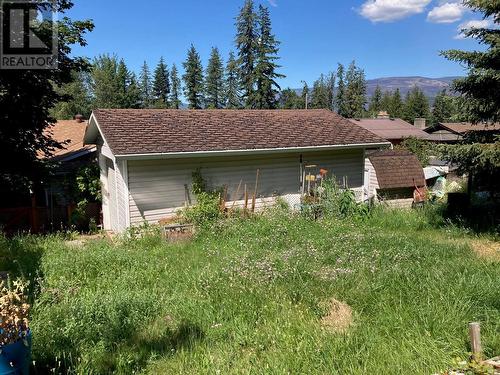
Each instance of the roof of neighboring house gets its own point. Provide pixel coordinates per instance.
(70, 133)
(462, 127)
(391, 129)
(162, 131)
(397, 169)
(444, 137)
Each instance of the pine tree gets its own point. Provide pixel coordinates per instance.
(416, 105)
(232, 87)
(133, 92)
(113, 85)
(106, 88)
(330, 90)
(480, 98)
(161, 85)
(246, 43)
(320, 93)
(265, 67)
(375, 102)
(355, 92)
(145, 85)
(385, 102)
(341, 105)
(304, 96)
(193, 79)
(396, 108)
(175, 93)
(214, 81)
(289, 99)
(442, 109)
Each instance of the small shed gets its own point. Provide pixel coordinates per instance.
(393, 176)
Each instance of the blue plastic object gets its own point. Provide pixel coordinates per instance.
(19, 354)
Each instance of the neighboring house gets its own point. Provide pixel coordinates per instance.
(393, 176)
(453, 132)
(393, 129)
(147, 157)
(70, 134)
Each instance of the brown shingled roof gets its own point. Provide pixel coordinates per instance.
(391, 129)
(144, 131)
(463, 127)
(397, 169)
(70, 133)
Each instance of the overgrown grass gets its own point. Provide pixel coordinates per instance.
(246, 297)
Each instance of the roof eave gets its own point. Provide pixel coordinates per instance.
(264, 151)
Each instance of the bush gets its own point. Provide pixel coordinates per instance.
(206, 209)
(339, 203)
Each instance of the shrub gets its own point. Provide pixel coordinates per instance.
(207, 208)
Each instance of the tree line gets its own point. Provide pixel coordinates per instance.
(247, 80)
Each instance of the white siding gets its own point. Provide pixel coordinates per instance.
(372, 184)
(121, 196)
(111, 194)
(157, 187)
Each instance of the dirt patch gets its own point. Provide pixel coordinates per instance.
(486, 249)
(338, 318)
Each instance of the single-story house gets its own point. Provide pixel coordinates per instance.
(453, 132)
(393, 129)
(147, 156)
(393, 176)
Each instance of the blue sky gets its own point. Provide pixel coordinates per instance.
(385, 37)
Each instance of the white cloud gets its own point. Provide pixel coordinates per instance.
(273, 3)
(472, 24)
(446, 13)
(391, 10)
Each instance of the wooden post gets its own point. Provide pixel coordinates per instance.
(255, 190)
(475, 340)
(246, 199)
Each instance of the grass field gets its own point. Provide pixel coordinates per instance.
(252, 297)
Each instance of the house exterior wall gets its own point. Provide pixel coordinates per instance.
(371, 183)
(158, 188)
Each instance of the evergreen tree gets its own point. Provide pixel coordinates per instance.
(193, 79)
(145, 86)
(214, 81)
(106, 86)
(416, 105)
(376, 102)
(161, 85)
(330, 90)
(480, 89)
(289, 99)
(113, 85)
(265, 67)
(385, 102)
(75, 97)
(355, 92)
(232, 91)
(396, 108)
(320, 93)
(175, 93)
(246, 43)
(341, 105)
(442, 109)
(304, 96)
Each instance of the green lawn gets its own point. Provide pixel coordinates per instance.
(249, 296)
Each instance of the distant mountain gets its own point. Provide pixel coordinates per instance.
(430, 86)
